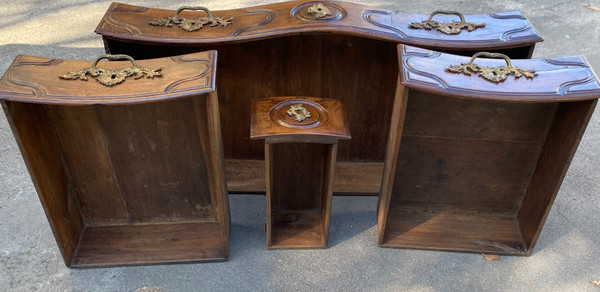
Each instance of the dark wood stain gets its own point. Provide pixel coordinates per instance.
(271, 53)
(128, 175)
(300, 165)
(475, 166)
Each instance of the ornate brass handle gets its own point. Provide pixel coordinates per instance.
(495, 74)
(446, 27)
(193, 8)
(114, 76)
(114, 58)
(192, 24)
(462, 18)
(491, 55)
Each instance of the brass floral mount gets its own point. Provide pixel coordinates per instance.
(299, 112)
(192, 24)
(446, 27)
(318, 10)
(114, 76)
(495, 74)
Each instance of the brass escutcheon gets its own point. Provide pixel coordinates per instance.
(446, 27)
(192, 24)
(318, 10)
(495, 74)
(299, 112)
(113, 76)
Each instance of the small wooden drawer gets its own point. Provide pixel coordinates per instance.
(300, 156)
(128, 174)
(474, 165)
(282, 49)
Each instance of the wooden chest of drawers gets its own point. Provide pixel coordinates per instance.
(130, 173)
(474, 165)
(292, 49)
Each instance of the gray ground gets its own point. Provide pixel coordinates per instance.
(566, 257)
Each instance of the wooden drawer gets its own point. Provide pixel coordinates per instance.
(474, 165)
(282, 50)
(127, 174)
(301, 135)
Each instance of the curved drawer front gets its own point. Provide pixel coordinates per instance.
(36, 80)
(558, 79)
(501, 30)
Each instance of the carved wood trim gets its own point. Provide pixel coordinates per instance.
(425, 70)
(504, 30)
(271, 15)
(203, 82)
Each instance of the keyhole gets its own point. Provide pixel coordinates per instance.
(319, 9)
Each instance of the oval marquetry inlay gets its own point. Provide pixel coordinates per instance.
(318, 114)
(305, 12)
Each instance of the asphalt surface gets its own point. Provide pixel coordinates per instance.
(566, 257)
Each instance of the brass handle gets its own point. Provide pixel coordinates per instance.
(114, 58)
(462, 18)
(491, 55)
(495, 74)
(446, 27)
(193, 8)
(111, 77)
(192, 24)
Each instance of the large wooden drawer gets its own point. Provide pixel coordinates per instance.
(127, 174)
(281, 49)
(474, 165)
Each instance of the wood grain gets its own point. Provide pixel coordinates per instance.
(350, 178)
(35, 80)
(93, 175)
(114, 166)
(567, 129)
(475, 167)
(297, 230)
(103, 246)
(503, 30)
(271, 121)
(297, 177)
(468, 154)
(299, 194)
(42, 154)
(426, 70)
(277, 50)
(300, 164)
(295, 189)
(160, 166)
(455, 232)
(216, 166)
